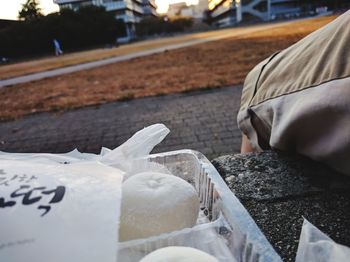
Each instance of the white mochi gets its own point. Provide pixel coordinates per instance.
(178, 254)
(155, 203)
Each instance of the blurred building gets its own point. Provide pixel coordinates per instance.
(230, 12)
(150, 7)
(130, 11)
(196, 11)
(221, 12)
(175, 9)
(182, 9)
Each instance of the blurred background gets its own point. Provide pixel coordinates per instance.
(89, 73)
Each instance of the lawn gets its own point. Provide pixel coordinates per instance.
(209, 65)
(52, 62)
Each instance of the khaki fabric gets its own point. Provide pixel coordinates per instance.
(298, 100)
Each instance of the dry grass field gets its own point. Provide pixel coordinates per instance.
(210, 65)
(52, 62)
(24, 68)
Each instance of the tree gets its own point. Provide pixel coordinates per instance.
(30, 11)
(87, 27)
(163, 25)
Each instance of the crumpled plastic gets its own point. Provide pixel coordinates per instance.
(131, 156)
(138, 147)
(315, 246)
(66, 207)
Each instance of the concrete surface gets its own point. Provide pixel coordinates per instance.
(279, 190)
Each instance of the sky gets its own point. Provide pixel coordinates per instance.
(9, 8)
(163, 4)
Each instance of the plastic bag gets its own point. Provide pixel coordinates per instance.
(205, 237)
(131, 156)
(315, 246)
(58, 212)
(65, 207)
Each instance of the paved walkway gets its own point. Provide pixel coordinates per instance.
(202, 120)
(94, 64)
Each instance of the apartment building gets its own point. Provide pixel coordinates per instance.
(230, 12)
(176, 8)
(130, 11)
(150, 7)
(222, 12)
(182, 9)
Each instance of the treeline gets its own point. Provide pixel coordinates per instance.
(87, 27)
(162, 25)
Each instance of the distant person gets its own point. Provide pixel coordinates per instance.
(298, 100)
(58, 50)
(4, 60)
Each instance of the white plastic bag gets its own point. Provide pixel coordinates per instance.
(65, 207)
(137, 148)
(131, 156)
(58, 212)
(315, 246)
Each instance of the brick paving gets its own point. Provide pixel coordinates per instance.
(200, 120)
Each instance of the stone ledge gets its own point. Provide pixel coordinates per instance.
(279, 190)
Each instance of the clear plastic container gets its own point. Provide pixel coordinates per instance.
(224, 228)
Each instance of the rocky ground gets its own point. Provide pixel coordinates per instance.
(279, 190)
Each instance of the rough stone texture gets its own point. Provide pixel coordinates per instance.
(279, 190)
(202, 120)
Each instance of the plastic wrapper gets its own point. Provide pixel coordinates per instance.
(315, 246)
(224, 228)
(131, 156)
(82, 223)
(58, 212)
(205, 236)
(66, 207)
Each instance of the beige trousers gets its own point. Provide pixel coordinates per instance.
(298, 100)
